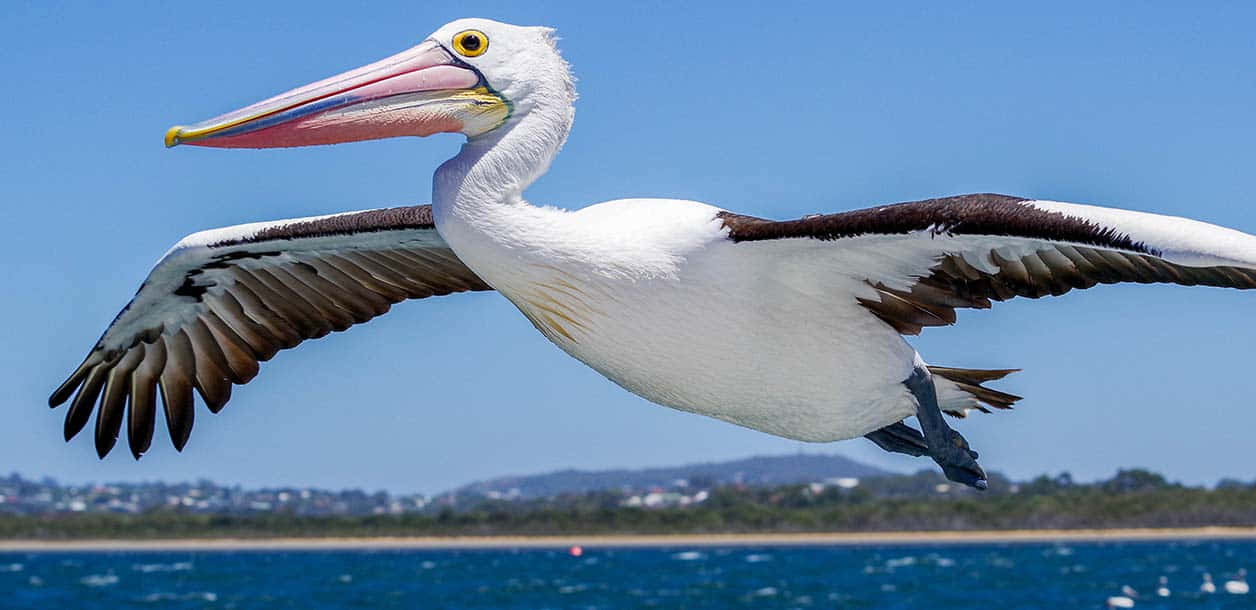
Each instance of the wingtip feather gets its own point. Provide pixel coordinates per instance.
(72, 383)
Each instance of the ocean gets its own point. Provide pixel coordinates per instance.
(968, 576)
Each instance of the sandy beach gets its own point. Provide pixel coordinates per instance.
(594, 541)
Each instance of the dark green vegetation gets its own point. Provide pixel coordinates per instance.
(1133, 498)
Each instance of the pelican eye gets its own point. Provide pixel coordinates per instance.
(470, 43)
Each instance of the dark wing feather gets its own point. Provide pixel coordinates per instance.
(969, 250)
(953, 283)
(222, 301)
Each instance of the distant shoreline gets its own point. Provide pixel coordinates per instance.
(607, 541)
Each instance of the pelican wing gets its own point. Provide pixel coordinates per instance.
(221, 301)
(920, 261)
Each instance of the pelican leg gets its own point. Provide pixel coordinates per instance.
(900, 438)
(946, 446)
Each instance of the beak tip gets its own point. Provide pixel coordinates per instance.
(173, 136)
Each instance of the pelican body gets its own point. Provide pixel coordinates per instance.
(794, 328)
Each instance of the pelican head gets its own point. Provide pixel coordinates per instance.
(470, 76)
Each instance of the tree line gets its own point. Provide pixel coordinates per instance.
(1131, 499)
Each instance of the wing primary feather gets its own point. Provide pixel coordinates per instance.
(1136, 268)
(81, 408)
(227, 309)
(371, 301)
(246, 293)
(326, 310)
(176, 388)
(1011, 270)
(1212, 276)
(1240, 278)
(406, 266)
(206, 346)
(285, 304)
(358, 308)
(143, 411)
(214, 389)
(241, 361)
(1067, 275)
(958, 267)
(1143, 272)
(66, 389)
(898, 313)
(428, 260)
(434, 259)
(308, 319)
(393, 292)
(279, 306)
(1044, 280)
(351, 301)
(930, 292)
(1120, 264)
(1101, 269)
(1084, 266)
(445, 259)
(113, 400)
(211, 378)
(381, 270)
(1164, 270)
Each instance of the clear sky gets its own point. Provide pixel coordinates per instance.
(774, 109)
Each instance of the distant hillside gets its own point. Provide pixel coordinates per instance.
(755, 472)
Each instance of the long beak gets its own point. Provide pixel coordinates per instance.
(419, 92)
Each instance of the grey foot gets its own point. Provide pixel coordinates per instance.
(900, 438)
(958, 461)
(946, 446)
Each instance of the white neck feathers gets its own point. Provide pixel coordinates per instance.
(477, 198)
(494, 169)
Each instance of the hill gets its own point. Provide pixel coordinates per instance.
(752, 472)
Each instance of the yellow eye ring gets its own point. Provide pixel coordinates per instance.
(470, 43)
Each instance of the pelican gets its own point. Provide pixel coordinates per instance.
(794, 328)
(1207, 586)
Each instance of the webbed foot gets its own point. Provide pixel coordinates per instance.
(946, 446)
(958, 461)
(900, 438)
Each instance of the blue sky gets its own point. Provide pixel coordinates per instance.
(777, 110)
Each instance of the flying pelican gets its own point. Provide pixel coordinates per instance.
(794, 327)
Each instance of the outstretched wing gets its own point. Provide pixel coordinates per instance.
(222, 301)
(920, 261)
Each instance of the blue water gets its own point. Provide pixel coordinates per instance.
(1073, 575)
